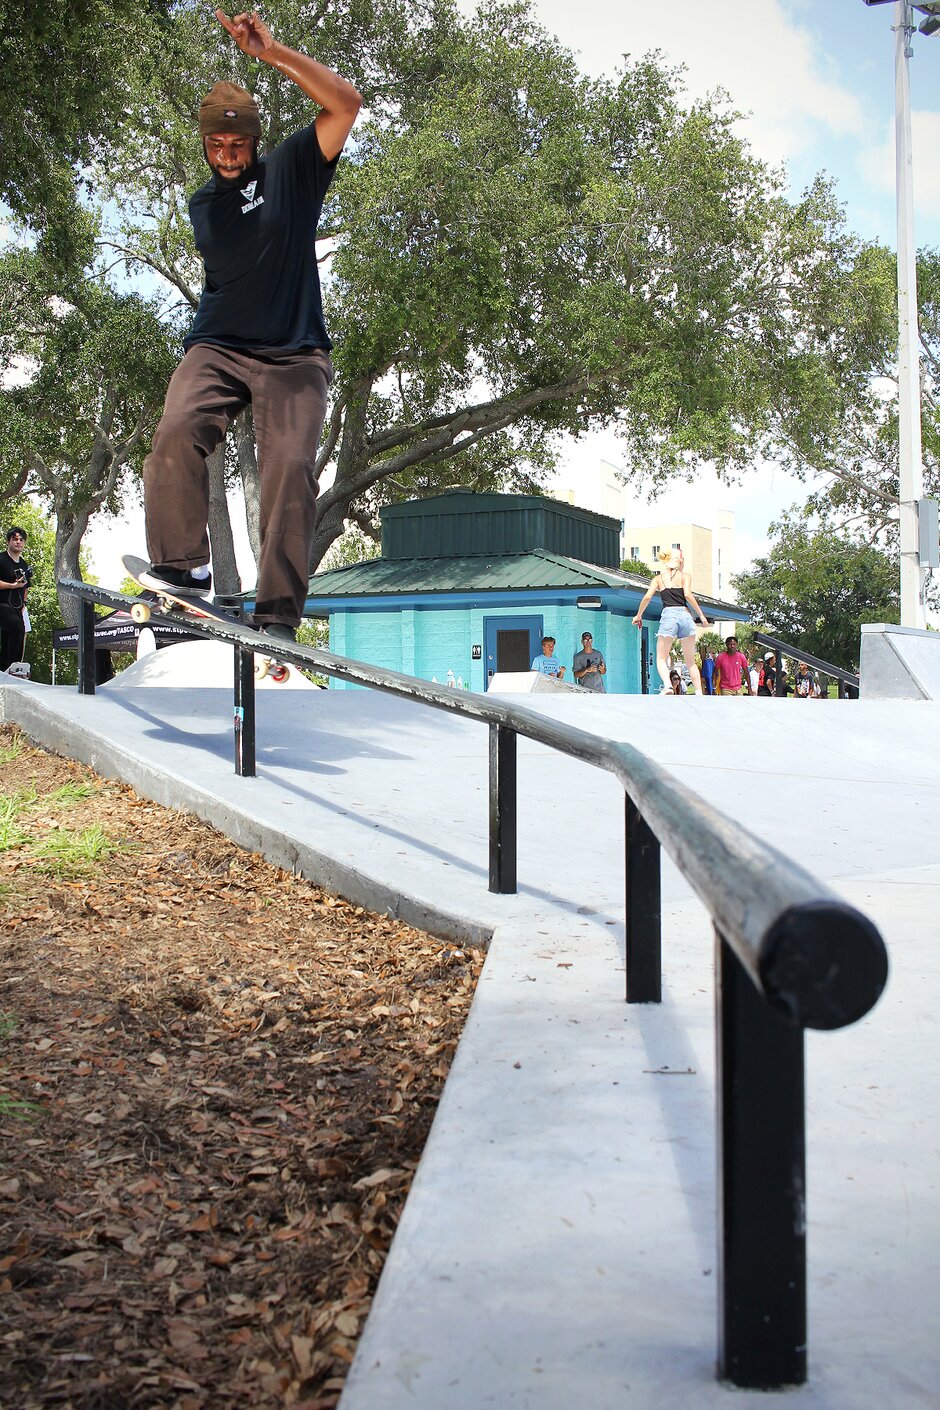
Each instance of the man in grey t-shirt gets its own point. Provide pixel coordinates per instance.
(589, 666)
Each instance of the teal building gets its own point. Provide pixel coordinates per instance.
(468, 584)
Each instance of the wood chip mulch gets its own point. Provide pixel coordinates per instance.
(215, 1084)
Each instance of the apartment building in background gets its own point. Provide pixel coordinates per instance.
(709, 550)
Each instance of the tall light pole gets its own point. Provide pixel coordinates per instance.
(914, 553)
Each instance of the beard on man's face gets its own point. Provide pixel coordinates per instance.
(230, 172)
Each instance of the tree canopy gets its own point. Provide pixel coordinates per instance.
(63, 86)
(83, 378)
(514, 251)
(511, 251)
(815, 589)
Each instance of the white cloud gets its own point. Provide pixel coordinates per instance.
(877, 164)
(768, 64)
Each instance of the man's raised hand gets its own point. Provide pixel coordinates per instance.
(250, 34)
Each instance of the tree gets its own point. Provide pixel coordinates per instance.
(91, 373)
(514, 252)
(859, 491)
(638, 569)
(814, 590)
(63, 86)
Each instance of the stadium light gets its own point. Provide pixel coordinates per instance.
(911, 467)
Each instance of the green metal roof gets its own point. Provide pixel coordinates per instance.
(463, 524)
(510, 572)
(475, 573)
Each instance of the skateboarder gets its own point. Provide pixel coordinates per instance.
(258, 335)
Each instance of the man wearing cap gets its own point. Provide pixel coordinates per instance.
(768, 675)
(258, 336)
(588, 666)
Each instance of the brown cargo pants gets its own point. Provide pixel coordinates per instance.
(212, 384)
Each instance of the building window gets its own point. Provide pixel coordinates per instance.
(677, 545)
(635, 553)
(655, 550)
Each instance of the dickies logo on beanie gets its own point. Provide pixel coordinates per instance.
(228, 108)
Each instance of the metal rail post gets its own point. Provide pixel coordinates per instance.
(502, 755)
(86, 649)
(761, 1186)
(244, 712)
(643, 909)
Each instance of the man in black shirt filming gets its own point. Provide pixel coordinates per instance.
(258, 336)
(15, 578)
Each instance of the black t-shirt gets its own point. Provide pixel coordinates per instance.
(9, 571)
(258, 244)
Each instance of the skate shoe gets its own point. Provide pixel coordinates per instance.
(280, 631)
(196, 582)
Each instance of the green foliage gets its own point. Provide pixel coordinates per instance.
(85, 370)
(353, 547)
(518, 251)
(709, 641)
(816, 589)
(860, 490)
(639, 570)
(61, 853)
(12, 1106)
(54, 851)
(63, 85)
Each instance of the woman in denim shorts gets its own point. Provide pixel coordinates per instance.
(674, 586)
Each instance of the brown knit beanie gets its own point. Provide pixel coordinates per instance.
(228, 108)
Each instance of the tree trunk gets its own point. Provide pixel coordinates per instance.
(70, 525)
(224, 566)
(251, 478)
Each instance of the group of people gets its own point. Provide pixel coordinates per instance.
(588, 667)
(730, 673)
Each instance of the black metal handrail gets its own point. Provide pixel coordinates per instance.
(847, 682)
(789, 955)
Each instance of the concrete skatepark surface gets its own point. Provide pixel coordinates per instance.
(559, 1242)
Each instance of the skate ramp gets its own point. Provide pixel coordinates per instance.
(899, 663)
(528, 683)
(195, 663)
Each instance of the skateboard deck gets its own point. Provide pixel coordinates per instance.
(170, 600)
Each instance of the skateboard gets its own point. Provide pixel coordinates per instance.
(191, 604)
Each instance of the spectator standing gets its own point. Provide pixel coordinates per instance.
(708, 672)
(753, 675)
(732, 667)
(674, 586)
(768, 675)
(589, 667)
(547, 664)
(15, 578)
(805, 685)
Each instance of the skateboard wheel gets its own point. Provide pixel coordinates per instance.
(279, 672)
(261, 669)
(140, 612)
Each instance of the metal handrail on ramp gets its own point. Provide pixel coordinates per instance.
(790, 955)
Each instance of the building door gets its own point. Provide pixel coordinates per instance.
(510, 643)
